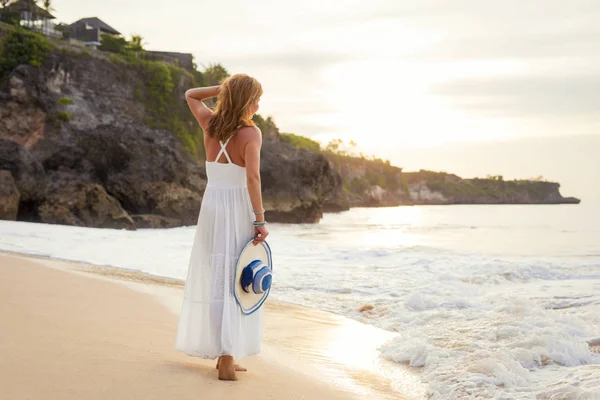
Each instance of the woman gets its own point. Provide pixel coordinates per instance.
(211, 323)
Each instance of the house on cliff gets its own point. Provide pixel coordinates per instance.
(34, 17)
(90, 31)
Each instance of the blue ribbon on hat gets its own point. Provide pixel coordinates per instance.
(257, 277)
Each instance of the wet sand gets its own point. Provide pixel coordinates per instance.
(74, 331)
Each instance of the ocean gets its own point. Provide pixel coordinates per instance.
(487, 302)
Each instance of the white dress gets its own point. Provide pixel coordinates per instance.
(211, 323)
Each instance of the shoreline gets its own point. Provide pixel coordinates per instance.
(305, 346)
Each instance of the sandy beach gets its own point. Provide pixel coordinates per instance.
(74, 331)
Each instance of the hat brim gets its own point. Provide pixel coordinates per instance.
(250, 302)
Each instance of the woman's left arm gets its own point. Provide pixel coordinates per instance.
(195, 97)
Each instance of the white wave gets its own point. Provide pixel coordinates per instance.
(481, 313)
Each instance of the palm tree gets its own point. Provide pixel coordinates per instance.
(136, 43)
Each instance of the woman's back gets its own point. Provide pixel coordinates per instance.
(235, 147)
(223, 172)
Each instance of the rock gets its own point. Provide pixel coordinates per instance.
(71, 201)
(21, 118)
(338, 200)
(145, 171)
(422, 194)
(58, 214)
(28, 172)
(366, 307)
(374, 195)
(81, 115)
(176, 202)
(295, 182)
(311, 213)
(148, 221)
(9, 196)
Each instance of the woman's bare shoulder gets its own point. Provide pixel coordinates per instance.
(248, 133)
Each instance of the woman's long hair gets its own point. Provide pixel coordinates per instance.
(236, 96)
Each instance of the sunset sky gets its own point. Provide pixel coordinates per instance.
(468, 86)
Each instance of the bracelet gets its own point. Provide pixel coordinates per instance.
(259, 223)
(259, 212)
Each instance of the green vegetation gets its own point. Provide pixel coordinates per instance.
(301, 142)
(115, 44)
(56, 119)
(65, 101)
(22, 47)
(64, 116)
(359, 172)
(158, 89)
(266, 126)
(490, 189)
(214, 74)
(159, 93)
(8, 16)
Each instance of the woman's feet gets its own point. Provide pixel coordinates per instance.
(237, 367)
(227, 368)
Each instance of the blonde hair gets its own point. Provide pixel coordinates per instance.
(236, 96)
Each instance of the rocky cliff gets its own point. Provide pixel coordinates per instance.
(428, 187)
(90, 140)
(374, 183)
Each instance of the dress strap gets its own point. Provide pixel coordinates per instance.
(224, 151)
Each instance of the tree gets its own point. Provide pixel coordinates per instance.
(113, 44)
(214, 74)
(136, 43)
(9, 16)
(334, 146)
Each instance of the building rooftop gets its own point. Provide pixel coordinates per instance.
(36, 11)
(96, 22)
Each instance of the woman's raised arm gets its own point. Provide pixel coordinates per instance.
(195, 97)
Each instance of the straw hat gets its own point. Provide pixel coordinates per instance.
(253, 276)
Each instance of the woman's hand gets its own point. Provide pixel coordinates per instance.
(260, 234)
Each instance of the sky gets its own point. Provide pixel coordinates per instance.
(463, 86)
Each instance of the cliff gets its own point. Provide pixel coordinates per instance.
(94, 140)
(372, 182)
(428, 187)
